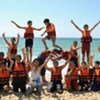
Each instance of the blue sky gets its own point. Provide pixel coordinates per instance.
(58, 11)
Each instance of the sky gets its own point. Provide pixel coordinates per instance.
(60, 12)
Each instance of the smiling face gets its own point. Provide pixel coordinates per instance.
(36, 63)
(29, 23)
(18, 58)
(97, 64)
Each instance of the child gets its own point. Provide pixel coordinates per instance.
(12, 47)
(74, 53)
(56, 76)
(86, 39)
(84, 76)
(5, 76)
(28, 35)
(72, 77)
(96, 75)
(51, 31)
(2, 59)
(35, 78)
(19, 74)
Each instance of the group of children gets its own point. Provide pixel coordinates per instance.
(26, 75)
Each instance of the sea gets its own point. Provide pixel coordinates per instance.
(65, 43)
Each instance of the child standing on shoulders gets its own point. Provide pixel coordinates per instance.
(28, 35)
(86, 39)
(51, 31)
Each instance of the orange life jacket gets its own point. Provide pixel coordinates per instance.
(13, 48)
(29, 33)
(86, 37)
(74, 74)
(84, 73)
(97, 74)
(53, 33)
(4, 76)
(19, 70)
(56, 74)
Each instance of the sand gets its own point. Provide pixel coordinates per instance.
(65, 96)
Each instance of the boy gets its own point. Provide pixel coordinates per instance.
(19, 74)
(72, 77)
(56, 76)
(28, 35)
(51, 31)
(96, 75)
(12, 47)
(86, 39)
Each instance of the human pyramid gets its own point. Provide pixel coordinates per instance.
(14, 68)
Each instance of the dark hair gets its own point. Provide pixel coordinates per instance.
(75, 42)
(36, 59)
(46, 20)
(1, 53)
(29, 22)
(84, 63)
(13, 38)
(55, 61)
(19, 56)
(86, 25)
(97, 62)
(57, 51)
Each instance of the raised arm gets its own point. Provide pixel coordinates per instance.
(3, 35)
(63, 66)
(95, 26)
(45, 63)
(24, 55)
(17, 25)
(18, 37)
(76, 26)
(43, 33)
(38, 29)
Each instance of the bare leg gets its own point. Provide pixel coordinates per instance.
(83, 57)
(88, 58)
(54, 44)
(30, 54)
(44, 42)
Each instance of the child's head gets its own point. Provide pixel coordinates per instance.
(3, 64)
(97, 64)
(13, 40)
(84, 64)
(86, 27)
(46, 22)
(18, 58)
(56, 51)
(55, 64)
(29, 23)
(72, 63)
(36, 62)
(1, 55)
(75, 43)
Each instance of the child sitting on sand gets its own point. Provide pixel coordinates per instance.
(84, 76)
(19, 74)
(35, 77)
(96, 75)
(5, 76)
(71, 78)
(56, 76)
(86, 39)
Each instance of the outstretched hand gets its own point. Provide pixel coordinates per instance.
(3, 34)
(72, 21)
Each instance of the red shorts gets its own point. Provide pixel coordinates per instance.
(86, 48)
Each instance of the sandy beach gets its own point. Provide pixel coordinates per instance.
(65, 96)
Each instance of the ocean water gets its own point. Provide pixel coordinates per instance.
(65, 43)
